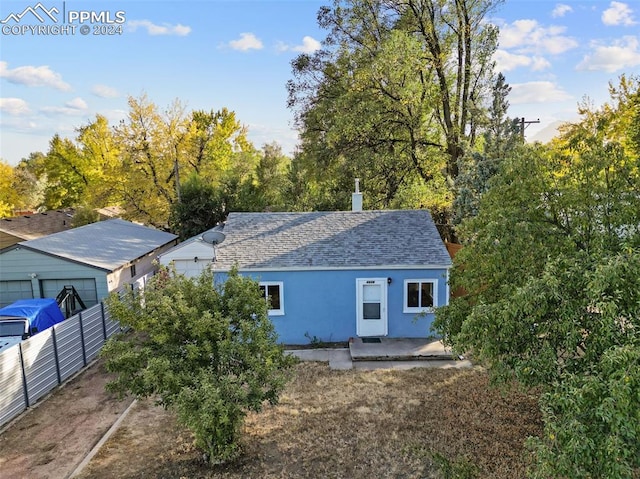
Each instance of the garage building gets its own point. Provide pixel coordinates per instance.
(95, 259)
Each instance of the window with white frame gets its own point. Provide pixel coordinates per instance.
(420, 295)
(273, 294)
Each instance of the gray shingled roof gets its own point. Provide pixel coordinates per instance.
(106, 244)
(341, 239)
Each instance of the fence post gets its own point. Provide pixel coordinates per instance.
(24, 376)
(84, 351)
(104, 323)
(55, 353)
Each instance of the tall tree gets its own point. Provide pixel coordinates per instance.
(66, 174)
(157, 148)
(9, 198)
(200, 208)
(551, 269)
(501, 136)
(30, 181)
(153, 145)
(99, 146)
(395, 94)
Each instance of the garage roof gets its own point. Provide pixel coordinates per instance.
(107, 245)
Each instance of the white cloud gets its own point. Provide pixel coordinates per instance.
(561, 10)
(104, 91)
(506, 61)
(77, 103)
(74, 107)
(164, 29)
(247, 41)
(309, 45)
(618, 13)
(539, 64)
(528, 36)
(14, 106)
(624, 53)
(34, 76)
(537, 92)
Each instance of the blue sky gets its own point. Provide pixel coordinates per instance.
(237, 54)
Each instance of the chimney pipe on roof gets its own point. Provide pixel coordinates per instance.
(356, 198)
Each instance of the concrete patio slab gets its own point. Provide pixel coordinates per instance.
(338, 358)
(387, 354)
(399, 349)
(414, 363)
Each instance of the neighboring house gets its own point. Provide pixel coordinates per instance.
(34, 225)
(335, 275)
(96, 259)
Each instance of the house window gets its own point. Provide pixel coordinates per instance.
(132, 270)
(272, 291)
(420, 295)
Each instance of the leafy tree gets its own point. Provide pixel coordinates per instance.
(153, 144)
(159, 147)
(200, 208)
(66, 174)
(394, 95)
(501, 135)
(30, 181)
(267, 188)
(139, 163)
(84, 216)
(100, 149)
(209, 354)
(9, 198)
(551, 267)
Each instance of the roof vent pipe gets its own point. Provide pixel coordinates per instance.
(356, 198)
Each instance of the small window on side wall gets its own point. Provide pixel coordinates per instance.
(420, 295)
(132, 270)
(273, 294)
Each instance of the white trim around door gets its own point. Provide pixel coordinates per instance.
(371, 307)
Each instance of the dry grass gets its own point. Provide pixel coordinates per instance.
(345, 424)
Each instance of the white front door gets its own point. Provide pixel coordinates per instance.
(371, 307)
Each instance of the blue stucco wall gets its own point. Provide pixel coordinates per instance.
(322, 304)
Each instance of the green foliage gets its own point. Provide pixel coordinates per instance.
(208, 353)
(84, 216)
(592, 421)
(392, 97)
(200, 208)
(501, 137)
(142, 163)
(551, 266)
(8, 198)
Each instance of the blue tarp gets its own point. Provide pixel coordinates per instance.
(41, 313)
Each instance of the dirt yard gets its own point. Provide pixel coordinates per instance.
(52, 438)
(345, 424)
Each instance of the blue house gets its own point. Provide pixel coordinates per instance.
(344, 274)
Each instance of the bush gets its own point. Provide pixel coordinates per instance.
(208, 353)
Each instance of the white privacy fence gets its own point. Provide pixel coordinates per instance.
(32, 368)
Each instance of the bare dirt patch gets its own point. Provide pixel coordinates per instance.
(52, 438)
(352, 424)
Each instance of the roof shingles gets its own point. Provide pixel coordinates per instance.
(341, 239)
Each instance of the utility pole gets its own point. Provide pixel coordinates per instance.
(524, 123)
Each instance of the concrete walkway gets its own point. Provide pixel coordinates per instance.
(387, 354)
